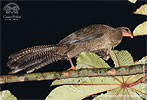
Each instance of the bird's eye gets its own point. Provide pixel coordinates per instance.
(127, 30)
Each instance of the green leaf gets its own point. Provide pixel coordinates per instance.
(132, 1)
(73, 92)
(90, 60)
(79, 88)
(110, 94)
(6, 95)
(121, 58)
(142, 10)
(141, 87)
(141, 29)
(70, 92)
(135, 95)
(142, 61)
(85, 80)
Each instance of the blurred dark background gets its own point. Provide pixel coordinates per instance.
(47, 22)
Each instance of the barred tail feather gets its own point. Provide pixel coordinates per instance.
(35, 57)
(27, 51)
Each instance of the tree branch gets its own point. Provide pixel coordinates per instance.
(97, 72)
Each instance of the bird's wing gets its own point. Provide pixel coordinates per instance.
(85, 34)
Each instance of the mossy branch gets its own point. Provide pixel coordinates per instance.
(97, 72)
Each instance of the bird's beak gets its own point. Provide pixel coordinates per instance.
(125, 34)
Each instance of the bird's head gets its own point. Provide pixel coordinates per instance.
(126, 32)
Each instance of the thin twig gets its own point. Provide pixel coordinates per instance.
(95, 72)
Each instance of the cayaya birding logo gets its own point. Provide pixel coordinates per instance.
(11, 11)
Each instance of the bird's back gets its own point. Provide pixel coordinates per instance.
(94, 38)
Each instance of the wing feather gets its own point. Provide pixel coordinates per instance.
(84, 34)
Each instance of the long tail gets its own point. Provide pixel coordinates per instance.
(35, 57)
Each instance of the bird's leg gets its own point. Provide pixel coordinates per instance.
(72, 65)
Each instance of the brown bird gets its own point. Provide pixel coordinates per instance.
(94, 38)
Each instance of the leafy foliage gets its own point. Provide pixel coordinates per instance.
(116, 88)
(142, 61)
(132, 1)
(79, 88)
(142, 10)
(141, 29)
(85, 80)
(6, 95)
(90, 60)
(143, 90)
(75, 92)
(121, 58)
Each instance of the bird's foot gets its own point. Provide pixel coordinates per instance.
(72, 65)
(71, 68)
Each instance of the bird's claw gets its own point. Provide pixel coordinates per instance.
(71, 68)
